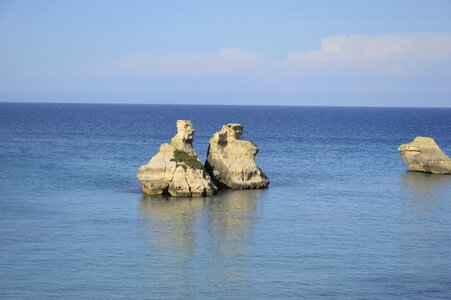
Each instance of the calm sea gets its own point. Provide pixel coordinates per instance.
(342, 219)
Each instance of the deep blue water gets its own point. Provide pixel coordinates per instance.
(342, 219)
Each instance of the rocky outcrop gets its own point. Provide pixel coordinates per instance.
(231, 161)
(176, 169)
(424, 155)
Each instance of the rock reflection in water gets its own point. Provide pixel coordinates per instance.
(231, 219)
(172, 222)
(422, 192)
(215, 232)
(425, 183)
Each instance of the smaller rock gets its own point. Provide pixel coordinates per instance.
(424, 155)
(231, 161)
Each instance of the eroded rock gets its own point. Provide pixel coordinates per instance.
(424, 155)
(231, 161)
(176, 169)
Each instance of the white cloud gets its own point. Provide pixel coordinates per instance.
(225, 61)
(395, 52)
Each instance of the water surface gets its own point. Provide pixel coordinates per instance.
(341, 219)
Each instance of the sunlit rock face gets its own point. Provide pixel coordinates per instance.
(231, 161)
(176, 170)
(424, 155)
(183, 140)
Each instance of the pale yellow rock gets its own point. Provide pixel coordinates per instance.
(179, 187)
(164, 175)
(424, 155)
(231, 161)
(183, 140)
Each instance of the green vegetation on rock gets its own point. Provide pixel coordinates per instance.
(187, 159)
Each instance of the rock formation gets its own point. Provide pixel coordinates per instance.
(176, 169)
(424, 155)
(231, 161)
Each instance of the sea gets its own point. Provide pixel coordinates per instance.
(341, 219)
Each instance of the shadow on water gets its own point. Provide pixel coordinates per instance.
(214, 232)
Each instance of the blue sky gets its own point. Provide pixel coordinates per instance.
(364, 53)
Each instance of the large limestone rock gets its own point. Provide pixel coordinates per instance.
(424, 155)
(231, 161)
(176, 169)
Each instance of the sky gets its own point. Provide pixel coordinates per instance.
(334, 53)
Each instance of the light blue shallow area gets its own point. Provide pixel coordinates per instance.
(342, 219)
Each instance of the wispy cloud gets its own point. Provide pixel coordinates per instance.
(390, 54)
(373, 17)
(225, 61)
(394, 52)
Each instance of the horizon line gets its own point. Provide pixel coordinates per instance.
(219, 104)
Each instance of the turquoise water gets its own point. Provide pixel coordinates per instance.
(341, 219)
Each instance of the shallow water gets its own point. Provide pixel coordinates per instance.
(341, 219)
